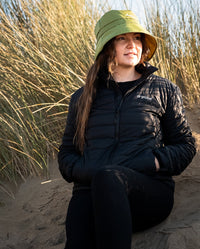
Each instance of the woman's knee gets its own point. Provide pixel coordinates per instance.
(108, 178)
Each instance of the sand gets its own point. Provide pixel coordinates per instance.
(34, 217)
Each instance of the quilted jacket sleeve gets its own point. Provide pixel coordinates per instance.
(71, 162)
(67, 155)
(69, 159)
(179, 144)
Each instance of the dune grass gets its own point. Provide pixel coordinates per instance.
(177, 26)
(46, 49)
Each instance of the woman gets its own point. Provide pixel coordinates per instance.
(126, 136)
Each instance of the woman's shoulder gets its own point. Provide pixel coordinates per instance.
(164, 83)
(75, 96)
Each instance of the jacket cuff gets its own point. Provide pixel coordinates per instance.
(163, 159)
(145, 163)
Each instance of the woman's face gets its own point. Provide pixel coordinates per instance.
(128, 49)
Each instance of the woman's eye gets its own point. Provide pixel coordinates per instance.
(138, 37)
(121, 38)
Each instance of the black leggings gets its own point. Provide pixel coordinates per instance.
(121, 201)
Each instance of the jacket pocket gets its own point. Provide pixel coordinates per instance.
(144, 163)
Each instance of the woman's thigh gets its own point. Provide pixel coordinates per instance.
(151, 200)
(80, 221)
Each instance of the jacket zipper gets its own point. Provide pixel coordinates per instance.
(117, 112)
(117, 117)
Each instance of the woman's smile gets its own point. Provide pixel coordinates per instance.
(130, 54)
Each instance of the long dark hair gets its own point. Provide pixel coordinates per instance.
(84, 104)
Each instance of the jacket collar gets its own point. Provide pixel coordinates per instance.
(105, 80)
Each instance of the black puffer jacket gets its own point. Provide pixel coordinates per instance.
(130, 131)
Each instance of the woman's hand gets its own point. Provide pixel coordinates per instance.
(157, 164)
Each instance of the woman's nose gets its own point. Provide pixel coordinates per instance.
(131, 43)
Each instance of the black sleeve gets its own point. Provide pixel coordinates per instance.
(68, 156)
(70, 160)
(179, 145)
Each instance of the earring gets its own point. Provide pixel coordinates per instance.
(115, 62)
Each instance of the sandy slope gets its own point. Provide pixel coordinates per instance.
(35, 218)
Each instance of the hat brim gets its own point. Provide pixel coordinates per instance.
(128, 28)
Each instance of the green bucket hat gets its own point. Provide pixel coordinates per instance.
(117, 22)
